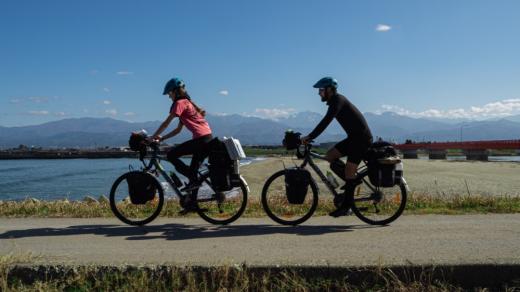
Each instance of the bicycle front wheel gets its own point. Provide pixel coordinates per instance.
(378, 205)
(136, 213)
(222, 208)
(277, 206)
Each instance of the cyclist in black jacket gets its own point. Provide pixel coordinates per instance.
(354, 147)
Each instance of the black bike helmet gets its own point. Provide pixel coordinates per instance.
(326, 82)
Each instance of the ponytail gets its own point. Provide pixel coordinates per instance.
(197, 108)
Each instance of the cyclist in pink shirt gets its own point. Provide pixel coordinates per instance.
(192, 117)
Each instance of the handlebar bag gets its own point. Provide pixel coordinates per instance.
(297, 182)
(136, 141)
(291, 140)
(141, 187)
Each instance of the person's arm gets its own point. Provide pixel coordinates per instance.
(331, 114)
(174, 132)
(164, 125)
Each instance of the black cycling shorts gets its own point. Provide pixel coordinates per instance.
(354, 148)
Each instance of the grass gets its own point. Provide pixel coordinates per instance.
(417, 204)
(231, 278)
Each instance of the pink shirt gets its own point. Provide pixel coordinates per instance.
(191, 118)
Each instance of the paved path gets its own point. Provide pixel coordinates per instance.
(427, 239)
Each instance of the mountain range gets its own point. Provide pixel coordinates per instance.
(102, 132)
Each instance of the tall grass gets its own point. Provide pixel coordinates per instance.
(416, 204)
(230, 278)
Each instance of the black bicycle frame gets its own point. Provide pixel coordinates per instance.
(361, 173)
(154, 162)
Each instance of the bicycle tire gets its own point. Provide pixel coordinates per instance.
(402, 205)
(217, 218)
(273, 216)
(114, 203)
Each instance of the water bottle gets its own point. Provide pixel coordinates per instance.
(332, 180)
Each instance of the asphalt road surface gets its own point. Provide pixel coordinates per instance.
(321, 241)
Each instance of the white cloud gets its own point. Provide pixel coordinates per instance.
(273, 113)
(111, 112)
(220, 114)
(106, 89)
(503, 108)
(383, 27)
(60, 114)
(224, 92)
(124, 73)
(129, 114)
(38, 113)
(107, 102)
(37, 99)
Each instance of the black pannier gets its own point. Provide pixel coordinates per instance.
(221, 168)
(291, 140)
(141, 187)
(384, 166)
(297, 182)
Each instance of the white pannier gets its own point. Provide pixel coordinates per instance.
(234, 148)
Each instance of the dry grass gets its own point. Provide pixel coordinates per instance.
(416, 204)
(232, 278)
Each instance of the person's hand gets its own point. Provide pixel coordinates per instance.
(156, 138)
(306, 140)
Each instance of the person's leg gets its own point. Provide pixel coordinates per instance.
(174, 157)
(353, 150)
(200, 152)
(336, 165)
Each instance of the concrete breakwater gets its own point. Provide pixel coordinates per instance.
(66, 154)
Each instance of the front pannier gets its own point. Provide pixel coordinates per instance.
(384, 165)
(141, 187)
(297, 182)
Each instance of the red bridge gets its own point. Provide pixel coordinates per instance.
(474, 150)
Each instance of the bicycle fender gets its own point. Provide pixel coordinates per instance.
(403, 181)
(245, 183)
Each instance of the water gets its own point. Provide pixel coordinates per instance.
(73, 179)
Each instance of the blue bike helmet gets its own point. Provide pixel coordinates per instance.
(173, 84)
(326, 82)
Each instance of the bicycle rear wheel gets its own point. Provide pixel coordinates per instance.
(277, 206)
(131, 213)
(377, 205)
(222, 208)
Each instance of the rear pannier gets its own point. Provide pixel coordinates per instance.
(297, 182)
(141, 187)
(224, 171)
(385, 168)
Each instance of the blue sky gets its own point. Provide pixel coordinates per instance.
(68, 59)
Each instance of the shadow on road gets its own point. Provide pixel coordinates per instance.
(179, 231)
